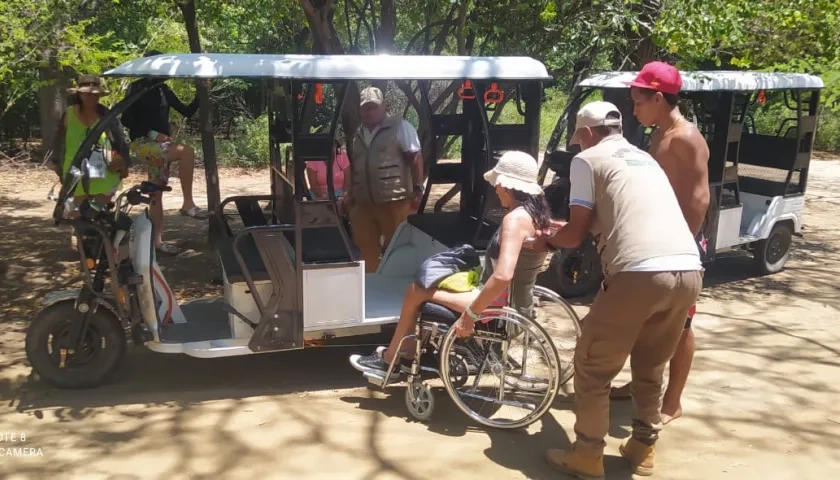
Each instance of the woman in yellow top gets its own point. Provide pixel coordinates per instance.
(83, 112)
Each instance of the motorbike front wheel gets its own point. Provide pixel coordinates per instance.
(101, 350)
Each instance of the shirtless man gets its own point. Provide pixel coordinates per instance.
(681, 150)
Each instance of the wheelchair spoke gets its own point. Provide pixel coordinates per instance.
(509, 403)
(524, 364)
(562, 324)
(513, 362)
(510, 374)
(501, 372)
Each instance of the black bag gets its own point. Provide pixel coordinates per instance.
(441, 265)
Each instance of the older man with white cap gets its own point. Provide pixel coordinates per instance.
(652, 276)
(386, 177)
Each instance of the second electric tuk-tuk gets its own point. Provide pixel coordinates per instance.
(758, 162)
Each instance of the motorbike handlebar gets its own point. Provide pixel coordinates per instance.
(136, 195)
(149, 187)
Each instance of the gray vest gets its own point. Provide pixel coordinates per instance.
(637, 216)
(380, 172)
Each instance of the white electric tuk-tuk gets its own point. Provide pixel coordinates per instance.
(292, 277)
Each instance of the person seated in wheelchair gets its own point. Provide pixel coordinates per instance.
(510, 271)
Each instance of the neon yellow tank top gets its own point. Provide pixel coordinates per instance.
(74, 136)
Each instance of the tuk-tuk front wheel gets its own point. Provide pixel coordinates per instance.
(576, 272)
(87, 365)
(771, 254)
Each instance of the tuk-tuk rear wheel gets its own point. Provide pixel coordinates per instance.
(771, 254)
(576, 272)
(102, 348)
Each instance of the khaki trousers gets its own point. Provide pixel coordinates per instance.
(640, 315)
(370, 221)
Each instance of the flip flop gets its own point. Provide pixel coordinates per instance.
(195, 212)
(168, 249)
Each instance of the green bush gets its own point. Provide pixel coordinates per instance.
(252, 143)
(828, 132)
(248, 147)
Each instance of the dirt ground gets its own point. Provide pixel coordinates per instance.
(761, 402)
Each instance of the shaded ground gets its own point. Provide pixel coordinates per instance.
(761, 402)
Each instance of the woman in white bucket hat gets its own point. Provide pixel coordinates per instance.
(509, 272)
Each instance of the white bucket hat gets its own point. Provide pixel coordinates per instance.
(516, 171)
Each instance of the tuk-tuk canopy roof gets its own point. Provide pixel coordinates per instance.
(707, 81)
(332, 67)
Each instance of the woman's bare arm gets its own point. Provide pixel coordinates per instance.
(516, 227)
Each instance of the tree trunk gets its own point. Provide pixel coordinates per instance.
(642, 50)
(325, 41)
(52, 100)
(387, 26)
(385, 35)
(641, 47)
(460, 33)
(205, 122)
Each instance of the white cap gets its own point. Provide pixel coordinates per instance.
(371, 94)
(596, 114)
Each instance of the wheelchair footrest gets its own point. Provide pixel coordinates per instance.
(374, 378)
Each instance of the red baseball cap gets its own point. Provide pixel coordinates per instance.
(658, 76)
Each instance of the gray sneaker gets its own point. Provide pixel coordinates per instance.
(374, 363)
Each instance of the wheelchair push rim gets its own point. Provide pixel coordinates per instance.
(559, 319)
(495, 363)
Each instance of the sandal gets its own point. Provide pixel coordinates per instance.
(168, 249)
(195, 212)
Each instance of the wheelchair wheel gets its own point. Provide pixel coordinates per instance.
(515, 376)
(419, 400)
(459, 365)
(562, 323)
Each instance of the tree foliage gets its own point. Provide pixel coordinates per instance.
(90, 36)
(778, 35)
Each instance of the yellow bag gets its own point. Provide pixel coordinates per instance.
(461, 282)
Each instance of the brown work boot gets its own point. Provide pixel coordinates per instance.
(639, 455)
(575, 463)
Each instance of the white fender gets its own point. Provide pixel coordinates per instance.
(53, 298)
(780, 209)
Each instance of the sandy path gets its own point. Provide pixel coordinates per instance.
(761, 402)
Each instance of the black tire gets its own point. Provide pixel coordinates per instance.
(102, 351)
(770, 255)
(584, 261)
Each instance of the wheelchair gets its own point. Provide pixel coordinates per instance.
(506, 375)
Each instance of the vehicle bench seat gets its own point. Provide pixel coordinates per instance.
(764, 187)
(320, 245)
(253, 261)
(767, 151)
(323, 245)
